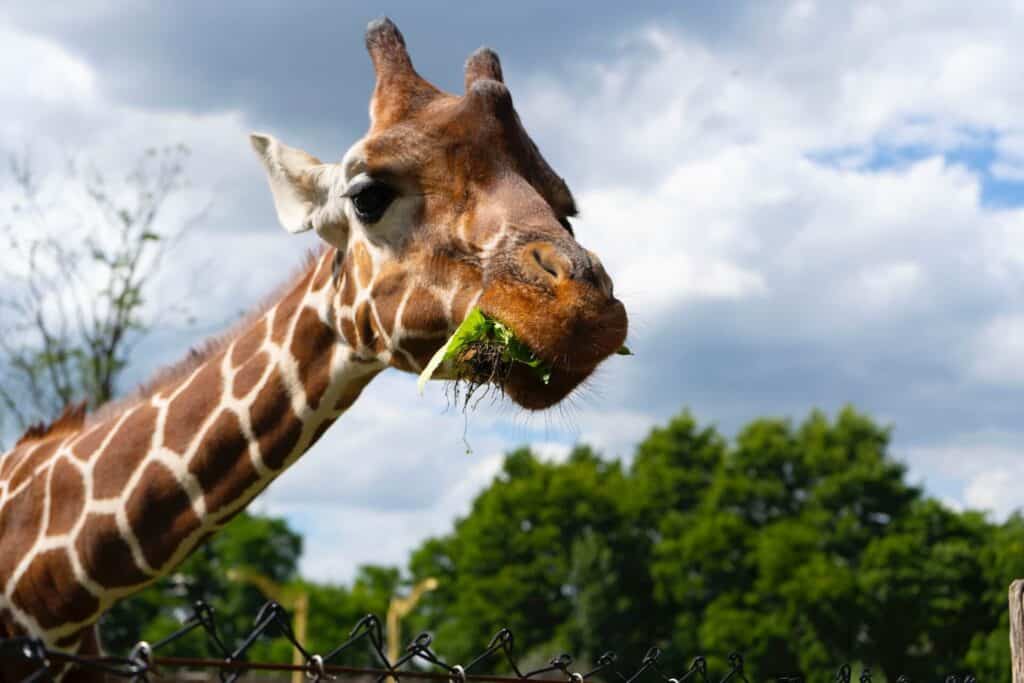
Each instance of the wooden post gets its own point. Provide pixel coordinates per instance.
(1017, 630)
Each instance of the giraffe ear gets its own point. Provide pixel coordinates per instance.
(298, 181)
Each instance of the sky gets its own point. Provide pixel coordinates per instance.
(802, 204)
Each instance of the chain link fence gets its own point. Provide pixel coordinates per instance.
(144, 663)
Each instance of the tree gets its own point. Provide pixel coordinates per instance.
(520, 558)
(1001, 558)
(82, 254)
(802, 546)
(810, 548)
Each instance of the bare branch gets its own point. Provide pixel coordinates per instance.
(78, 303)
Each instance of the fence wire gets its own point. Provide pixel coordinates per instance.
(144, 662)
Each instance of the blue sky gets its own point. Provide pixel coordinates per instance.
(803, 205)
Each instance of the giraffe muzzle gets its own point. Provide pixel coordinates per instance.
(552, 265)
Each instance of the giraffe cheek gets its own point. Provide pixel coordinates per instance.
(424, 314)
(387, 294)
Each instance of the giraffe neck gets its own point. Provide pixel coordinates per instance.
(109, 510)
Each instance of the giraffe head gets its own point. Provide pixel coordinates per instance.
(445, 204)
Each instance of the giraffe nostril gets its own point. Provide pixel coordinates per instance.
(538, 257)
(545, 262)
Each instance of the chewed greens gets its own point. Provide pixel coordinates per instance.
(478, 331)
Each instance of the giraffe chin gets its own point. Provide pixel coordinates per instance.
(527, 391)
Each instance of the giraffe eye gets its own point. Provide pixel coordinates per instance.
(371, 199)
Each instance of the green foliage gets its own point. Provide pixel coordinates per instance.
(509, 562)
(802, 546)
(334, 609)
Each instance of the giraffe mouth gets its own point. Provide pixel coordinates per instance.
(484, 368)
(571, 340)
(485, 353)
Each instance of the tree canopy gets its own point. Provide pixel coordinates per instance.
(802, 546)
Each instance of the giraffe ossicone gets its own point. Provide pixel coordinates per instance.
(445, 205)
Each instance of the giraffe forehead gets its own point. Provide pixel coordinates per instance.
(452, 145)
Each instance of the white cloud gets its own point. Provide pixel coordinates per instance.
(995, 490)
(987, 465)
(999, 351)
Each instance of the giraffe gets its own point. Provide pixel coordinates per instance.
(445, 204)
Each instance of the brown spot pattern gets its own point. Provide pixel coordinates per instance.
(348, 287)
(274, 423)
(248, 345)
(67, 492)
(424, 313)
(20, 518)
(249, 374)
(311, 348)
(124, 453)
(104, 555)
(222, 463)
(364, 326)
(30, 463)
(348, 331)
(323, 270)
(159, 508)
(363, 263)
(48, 591)
(190, 408)
(8, 462)
(421, 349)
(349, 396)
(87, 446)
(387, 295)
(287, 309)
